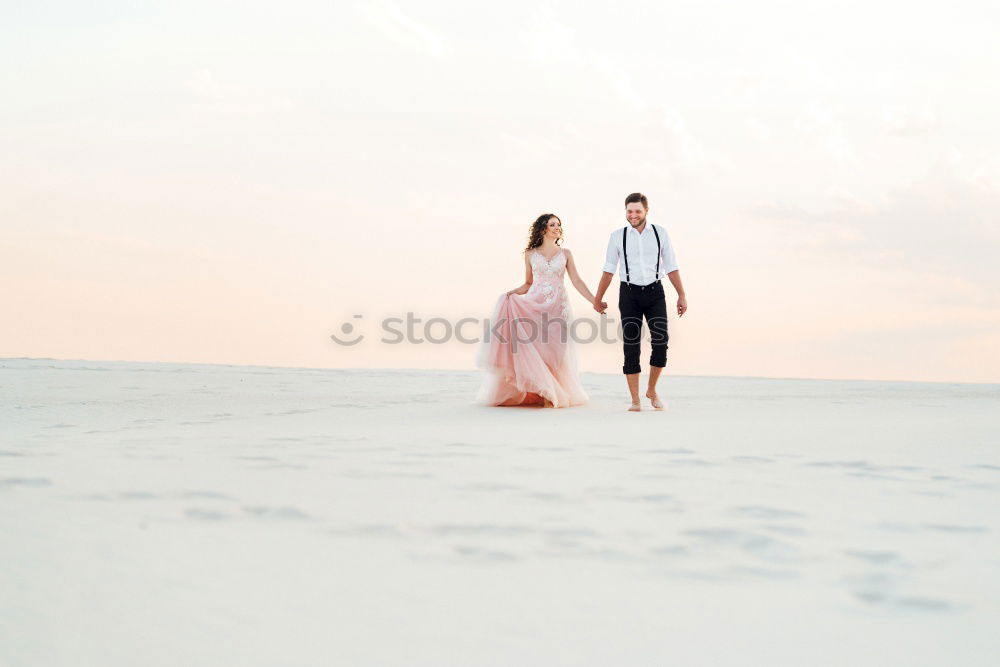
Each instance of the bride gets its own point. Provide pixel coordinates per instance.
(529, 356)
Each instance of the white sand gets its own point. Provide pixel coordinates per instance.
(162, 514)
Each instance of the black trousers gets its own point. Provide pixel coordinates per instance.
(634, 303)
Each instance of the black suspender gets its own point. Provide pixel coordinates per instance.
(657, 252)
(625, 252)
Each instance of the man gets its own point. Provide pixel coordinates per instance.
(645, 253)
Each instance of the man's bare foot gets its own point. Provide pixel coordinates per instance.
(635, 407)
(655, 400)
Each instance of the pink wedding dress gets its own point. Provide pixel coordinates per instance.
(524, 365)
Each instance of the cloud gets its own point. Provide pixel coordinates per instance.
(546, 38)
(683, 148)
(820, 123)
(203, 83)
(902, 122)
(621, 81)
(943, 223)
(391, 21)
(235, 99)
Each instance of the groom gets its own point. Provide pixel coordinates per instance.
(645, 254)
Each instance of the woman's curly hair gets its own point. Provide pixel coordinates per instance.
(537, 231)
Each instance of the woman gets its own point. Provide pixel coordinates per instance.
(533, 361)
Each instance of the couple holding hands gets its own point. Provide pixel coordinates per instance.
(532, 360)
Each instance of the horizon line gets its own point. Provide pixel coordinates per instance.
(477, 370)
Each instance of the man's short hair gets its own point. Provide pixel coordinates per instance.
(637, 198)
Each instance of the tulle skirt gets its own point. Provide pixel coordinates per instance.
(530, 359)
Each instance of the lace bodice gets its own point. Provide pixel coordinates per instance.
(547, 281)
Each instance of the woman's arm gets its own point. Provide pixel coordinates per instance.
(528, 277)
(574, 278)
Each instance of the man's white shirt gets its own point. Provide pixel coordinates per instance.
(641, 254)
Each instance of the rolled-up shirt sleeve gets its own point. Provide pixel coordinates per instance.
(667, 258)
(611, 256)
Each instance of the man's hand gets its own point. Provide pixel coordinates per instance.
(600, 306)
(682, 306)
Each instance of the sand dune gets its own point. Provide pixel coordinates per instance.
(174, 514)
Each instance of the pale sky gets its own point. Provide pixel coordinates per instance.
(229, 182)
